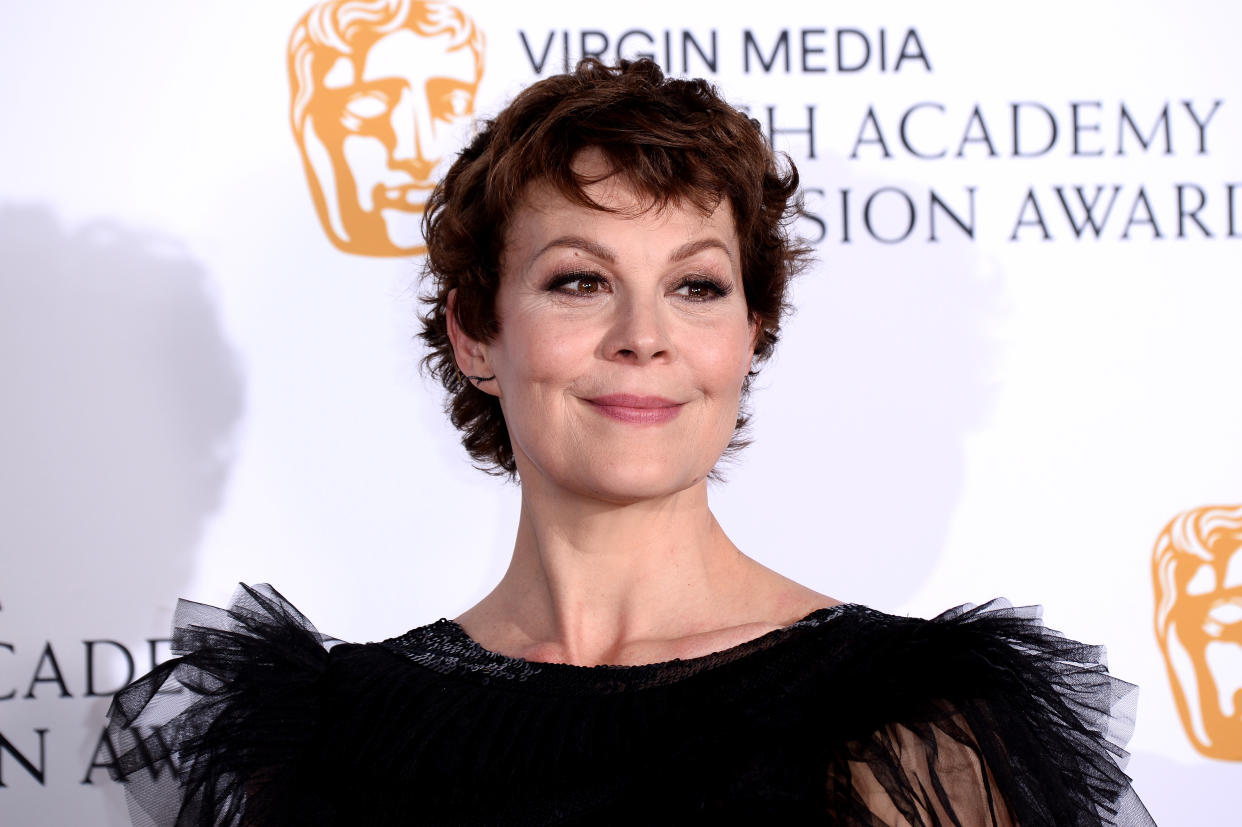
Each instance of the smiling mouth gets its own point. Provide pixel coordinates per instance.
(636, 410)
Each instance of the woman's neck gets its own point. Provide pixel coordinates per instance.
(594, 582)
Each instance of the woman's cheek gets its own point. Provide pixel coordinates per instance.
(555, 354)
(731, 364)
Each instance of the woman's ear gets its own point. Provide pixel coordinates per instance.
(470, 354)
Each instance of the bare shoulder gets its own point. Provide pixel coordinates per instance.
(772, 602)
(782, 600)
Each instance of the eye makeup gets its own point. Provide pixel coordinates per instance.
(701, 288)
(572, 282)
(698, 287)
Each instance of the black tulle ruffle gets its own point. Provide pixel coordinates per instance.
(851, 716)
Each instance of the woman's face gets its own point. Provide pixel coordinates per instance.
(624, 341)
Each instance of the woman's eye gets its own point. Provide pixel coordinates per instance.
(578, 284)
(702, 289)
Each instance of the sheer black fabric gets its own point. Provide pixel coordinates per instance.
(980, 716)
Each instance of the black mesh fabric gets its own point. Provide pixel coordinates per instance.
(981, 716)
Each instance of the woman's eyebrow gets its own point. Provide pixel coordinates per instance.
(603, 253)
(690, 248)
(578, 243)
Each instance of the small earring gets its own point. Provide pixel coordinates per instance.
(475, 379)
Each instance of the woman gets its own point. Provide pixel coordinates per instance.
(609, 259)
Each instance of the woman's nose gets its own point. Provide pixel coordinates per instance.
(639, 332)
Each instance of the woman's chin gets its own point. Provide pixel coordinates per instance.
(627, 485)
(620, 474)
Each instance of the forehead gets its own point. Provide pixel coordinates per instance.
(632, 228)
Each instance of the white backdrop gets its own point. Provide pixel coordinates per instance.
(200, 389)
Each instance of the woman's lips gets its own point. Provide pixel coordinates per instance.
(638, 410)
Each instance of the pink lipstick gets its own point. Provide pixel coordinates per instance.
(634, 409)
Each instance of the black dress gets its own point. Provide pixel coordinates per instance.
(850, 716)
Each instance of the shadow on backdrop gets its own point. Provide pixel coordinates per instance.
(889, 363)
(121, 400)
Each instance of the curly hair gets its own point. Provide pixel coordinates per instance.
(671, 141)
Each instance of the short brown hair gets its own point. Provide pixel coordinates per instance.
(672, 141)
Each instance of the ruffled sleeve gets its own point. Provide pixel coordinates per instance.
(989, 719)
(215, 736)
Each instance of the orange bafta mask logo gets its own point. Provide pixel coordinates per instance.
(1197, 569)
(380, 91)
